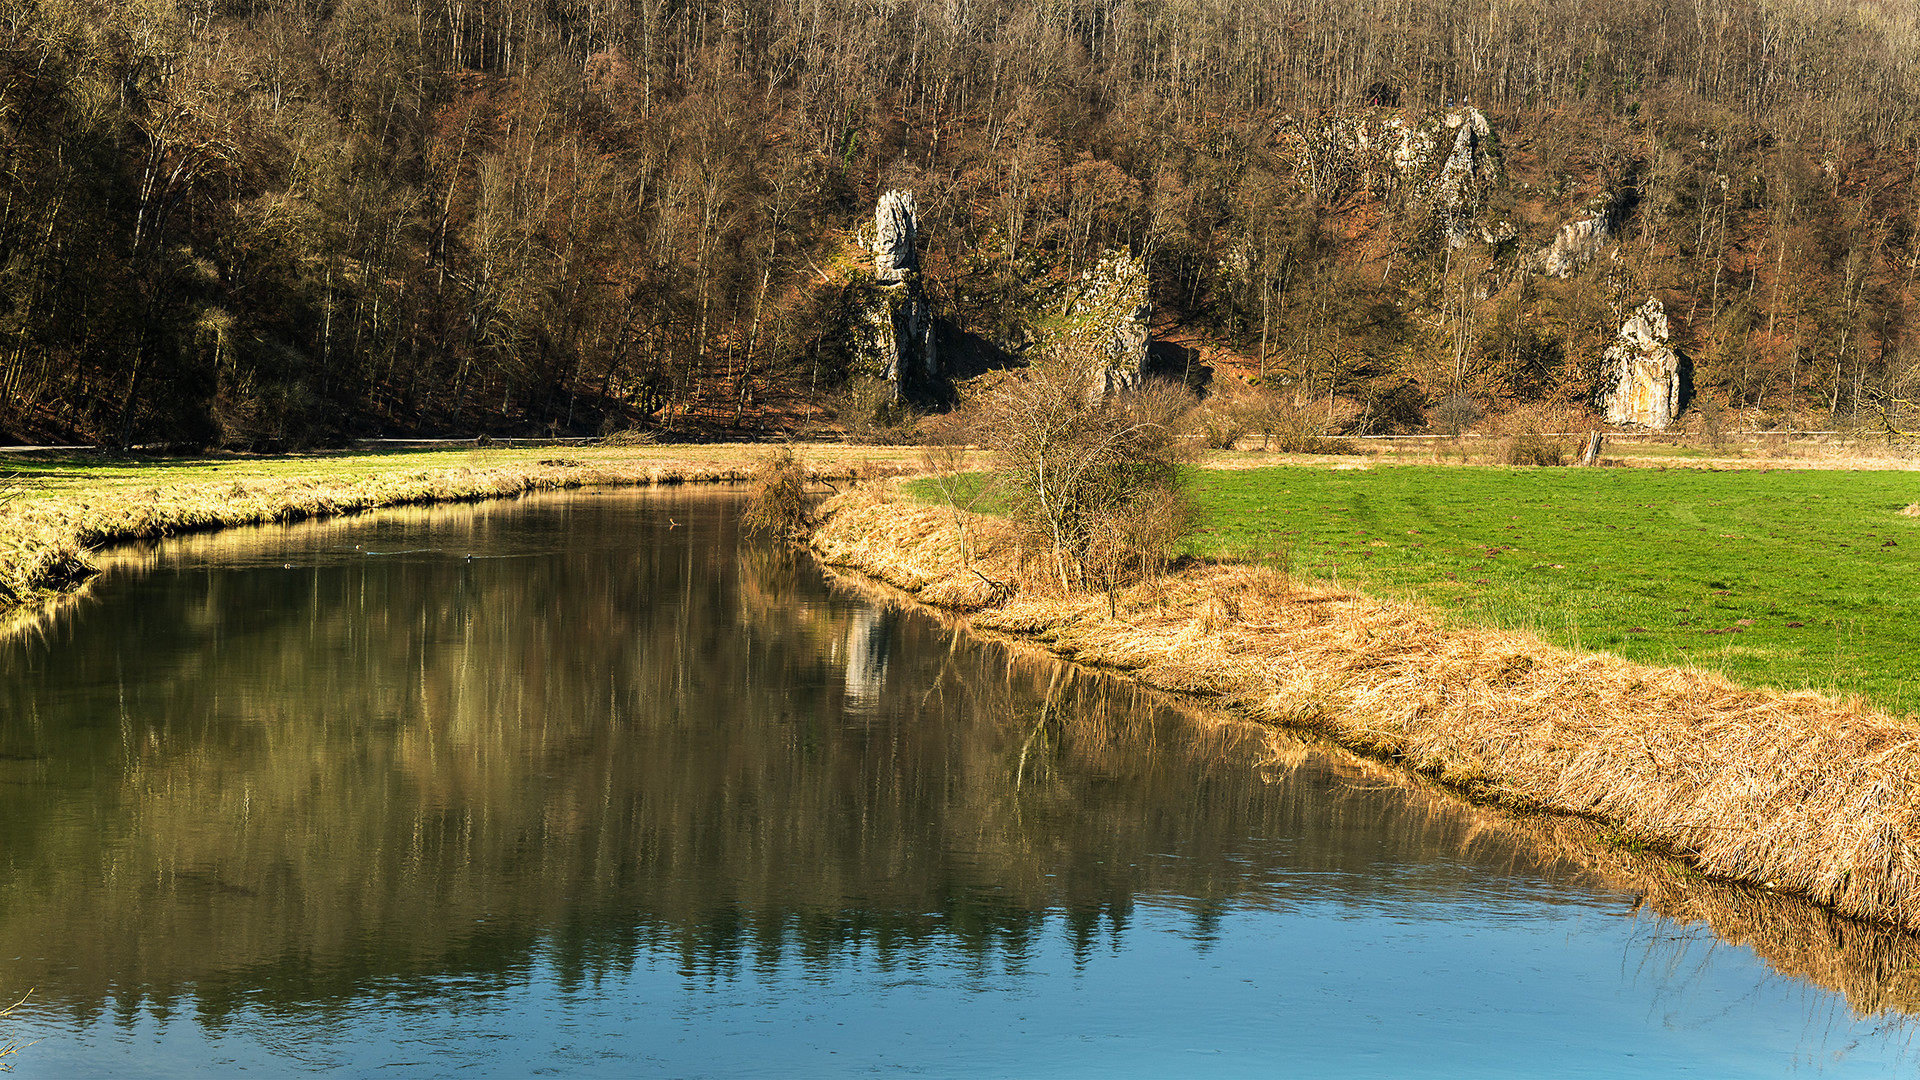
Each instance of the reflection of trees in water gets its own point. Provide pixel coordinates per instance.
(1875, 968)
(606, 738)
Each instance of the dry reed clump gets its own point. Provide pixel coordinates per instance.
(1790, 791)
(777, 497)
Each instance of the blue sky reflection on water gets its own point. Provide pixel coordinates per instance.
(1425, 989)
(616, 798)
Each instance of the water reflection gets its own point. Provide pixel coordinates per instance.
(453, 754)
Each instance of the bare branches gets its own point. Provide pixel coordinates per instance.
(1077, 469)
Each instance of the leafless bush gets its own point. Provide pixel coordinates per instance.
(1535, 436)
(1089, 475)
(1289, 428)
(945, 456)
(629, 437)
(1134, 541)
(777, 497)
(1712, 419)
(1236, 410)
(1456, 414)
(870, 414)
(1230, 411)
(1533, 448)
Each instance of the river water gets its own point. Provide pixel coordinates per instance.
(584, 785)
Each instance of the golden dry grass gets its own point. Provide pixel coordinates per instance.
(1789, 791)
(1667, 451)
(1876, 967)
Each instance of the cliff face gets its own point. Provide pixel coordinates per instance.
(1496, 255)
(891, 322)
(1430, 254)
(1106, 320)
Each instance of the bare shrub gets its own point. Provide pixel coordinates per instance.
(945, 456)
(1456, 414)
(629, 437)
(1390, 409)
(777, 497)
(1290, 428)
(1136, 540)
(1284, 424)
(870, 414)
(1084, 472)
(1536, 449)
(1713, 420)
(1231, 410)
(1535, 435)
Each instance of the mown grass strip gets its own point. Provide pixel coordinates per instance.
(1773, 578)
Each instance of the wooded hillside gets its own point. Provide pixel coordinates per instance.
(257, 222)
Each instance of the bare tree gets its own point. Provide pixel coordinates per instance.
(1074, 465)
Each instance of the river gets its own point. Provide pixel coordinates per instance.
(586, 785)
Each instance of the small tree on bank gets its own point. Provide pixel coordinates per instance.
(1095, 477)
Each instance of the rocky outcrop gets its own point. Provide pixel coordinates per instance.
(896, 228)
(1105, 323)
(1573, 246)
(1447, 159)
(1643, 380)
(1579, 241)
(1471, 165)
(892, 324)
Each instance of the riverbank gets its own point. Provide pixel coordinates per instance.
(56, 507)
(1792, 792)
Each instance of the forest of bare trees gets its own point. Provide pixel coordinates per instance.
(282, 222)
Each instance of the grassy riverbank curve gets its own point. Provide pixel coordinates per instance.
(1791, 791)
(55, 507)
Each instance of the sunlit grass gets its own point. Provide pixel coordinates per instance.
(1774, 578)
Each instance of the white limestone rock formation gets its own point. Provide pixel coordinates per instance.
(1106, 324)
(893, 333)
(1446, 159)
(1581, 240)
(896, 228)
(1643, 380)
(1471, 164)
(1573, 246)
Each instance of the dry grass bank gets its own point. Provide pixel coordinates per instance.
(1787, 791)
(1875, 967)
(53, 513)
(1829, 453)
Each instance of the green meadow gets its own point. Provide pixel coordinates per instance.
(1802, 579)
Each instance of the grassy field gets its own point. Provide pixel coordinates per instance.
(1774, 578)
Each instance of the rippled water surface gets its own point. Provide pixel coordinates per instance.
(583, 785)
